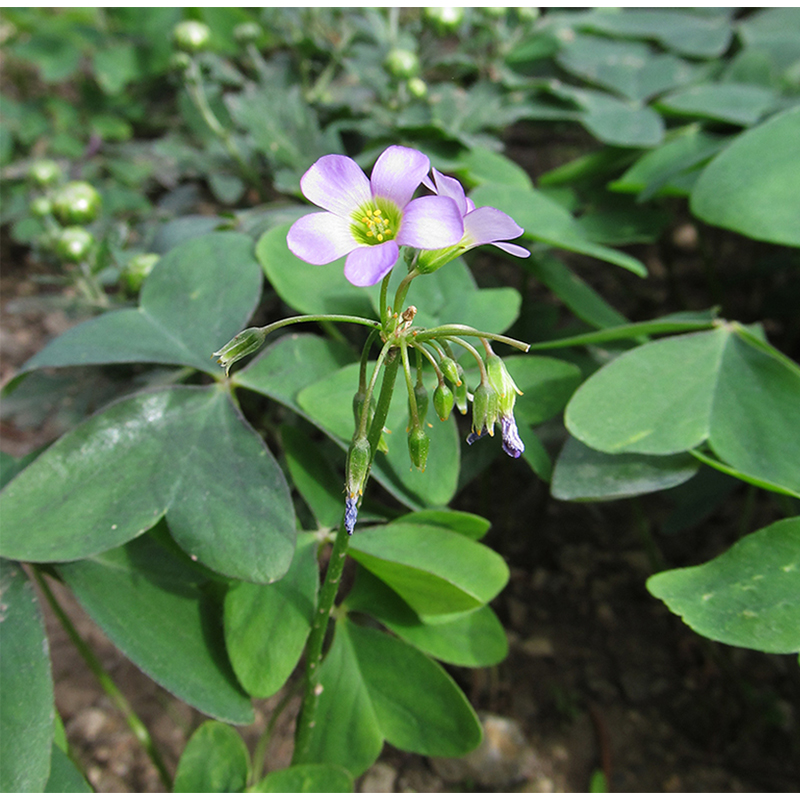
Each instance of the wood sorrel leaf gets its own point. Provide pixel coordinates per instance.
(747, 597)
(196, 298)
(215, 760)
(64, 775)
(307, 778)
(182, 451)
(266, 626)
(376, 687)
(434, 570)
(175, 636)
(26, 688)
(722, 386)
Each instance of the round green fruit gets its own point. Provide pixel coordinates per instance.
(74, 244)
(76, 203)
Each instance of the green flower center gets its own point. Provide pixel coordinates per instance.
(376, 222)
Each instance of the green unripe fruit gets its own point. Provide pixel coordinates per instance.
(74, 244)
(44, 172)
(450, 370)
(359, 459)
(417, 88)
(191, 36)
(77, 203)
(484, 409)
(248, 32)
(419, 444)
(443, 400)
(40, 207)
(402, 63)
(243, 344)
(445, 19)
(139, 267)
(421, 397)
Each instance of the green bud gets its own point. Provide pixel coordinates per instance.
(417, 88)
(421, 397)
(74, 244)
(450, 370)
(401, 63)
(460, 391)
(243, 344)
(138, 268)
(445, 19)
(359, 459)
(179, 62)
(418, 445)
(484, 409)
(502, 382)
(191, 36)
(443, 400)
(248, 32)
(76, 203)
(40, 207)
(431, 260)
(44, 172)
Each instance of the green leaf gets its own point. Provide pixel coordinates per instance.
(291, 364)
(266, 626)
(197, 297)
(673, 395)
(307, 778)
(26, 688)
(535, 454)
(319, 485)
(584, 474)
(574, 292)
(737, 103)
(462, 522)
(185, 452)
(546, 385)
(434, 570)
(64, 775)
(480, 165)
(546, 221)
(472, 639)
(329, 404)
(174, 636)
(215, 760)
(115, 67)
(376, 687)
(751, 188)
(747, 597)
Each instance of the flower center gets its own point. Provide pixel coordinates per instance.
(373, 223)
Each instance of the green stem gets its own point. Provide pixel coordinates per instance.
(327, 595)
(402, 289)
(475, 354)
(464, 330)
(412, 399)
(105, 680)
(383, 308)
(371, 323)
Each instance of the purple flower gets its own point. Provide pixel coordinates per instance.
(512, 444)
(368, 219)
(484, 225)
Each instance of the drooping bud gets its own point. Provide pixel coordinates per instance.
(74, 244)
(191, 36)
(243, 344)
(359, 459)
(44, 172)
(450, 369)
(460, 391)
(484, 412)
(401, 63)
(76, 203)
(417, 88)
(418, 445)
(421, 397)
(502, 382)
(443, 400)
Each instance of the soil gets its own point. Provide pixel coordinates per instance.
(600, 675)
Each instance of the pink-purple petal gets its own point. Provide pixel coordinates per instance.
(512, 249)
(321, 238)
(450, 187)
(431, 223)
(365, 266)
(398, 173)
(337, 184)
(486, 225)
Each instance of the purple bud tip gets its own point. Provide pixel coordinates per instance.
(350, 514)
(512, 444)
(474, 436)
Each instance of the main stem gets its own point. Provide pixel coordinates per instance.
(327, 595)
(109, 687)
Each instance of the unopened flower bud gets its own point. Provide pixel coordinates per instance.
(401, 63)
(179, 62)
(243, 344)
(444, 18)
(248, 32)
(138, 268)
(74, 244)
(484, 412)
(417, 88)
(44, 172)
(450, 370)
(77, 203)
(421, 397)
(40, 207)
(443, 400)
(460, 391)
(191, 36)
(359, 459)
(502, 382)
(418, 445)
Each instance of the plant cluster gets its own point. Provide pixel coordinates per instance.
(196, 511)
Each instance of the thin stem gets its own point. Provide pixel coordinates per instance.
(271, 328)
(327, 595)
(384, 309)
(106, 682)
(412, 399)
(475, 354)
(464, 330)
(402, 289)
(362, 425)
(420, 349)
